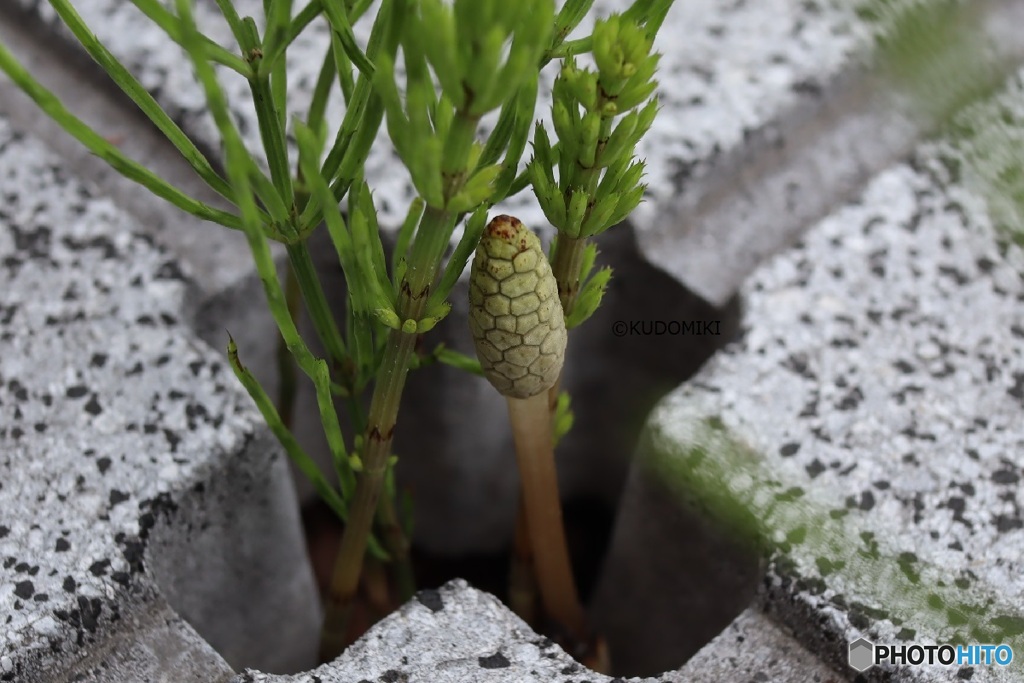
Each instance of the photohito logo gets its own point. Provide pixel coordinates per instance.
(864, 654)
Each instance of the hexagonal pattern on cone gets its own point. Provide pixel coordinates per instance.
(862, 654)
(515, 315)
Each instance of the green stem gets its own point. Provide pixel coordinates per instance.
(566, 269)
(397, 545)
(316, 302)
(425, 259)
(348, 565)
(285, 362)
(272, 133)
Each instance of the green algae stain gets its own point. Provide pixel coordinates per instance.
(797, 535)
(790, 494)
(937, 54)
(827, 566)
(907, 562)
(824, 553)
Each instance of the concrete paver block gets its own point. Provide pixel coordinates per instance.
(867, 424)
(133, 472)
(755, 648)
(454, 634)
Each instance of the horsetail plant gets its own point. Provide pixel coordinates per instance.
(462, 59)
(598, 186)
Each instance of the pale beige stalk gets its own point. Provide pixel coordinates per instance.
(519, 330)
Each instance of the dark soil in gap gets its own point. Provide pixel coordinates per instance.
(588, 525)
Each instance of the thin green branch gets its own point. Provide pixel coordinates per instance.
(240, 165)
(316, 302)
(321, 93)
(278, 20)
(160, 16)
(274, 141)
(105, 150)
(227, 8)
(342, 28)
(384, 38)
(134, 90)
(301, 459)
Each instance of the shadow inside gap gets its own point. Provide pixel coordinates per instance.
(649, 336)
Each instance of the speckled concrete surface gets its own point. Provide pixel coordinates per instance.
(453, 634)
(457, 634)
(755, 649)
(117, 430)
(869, 420)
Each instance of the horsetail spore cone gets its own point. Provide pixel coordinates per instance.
(515, 315)
(519, 330)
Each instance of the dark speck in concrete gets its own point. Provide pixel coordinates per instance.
(93, 407)
(851, 400)
(62, 545)
(90, 609)
(77, 391)
(431, 599)
(24, 589)
(1017, 390)
(1006, 523)
(99, 568)
(904, 367)
(866, 502)
(495, 661)
(170, 271)
(117, 497)
(789, 449)
(1005, 477)
(172, 440)
(797, 363)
